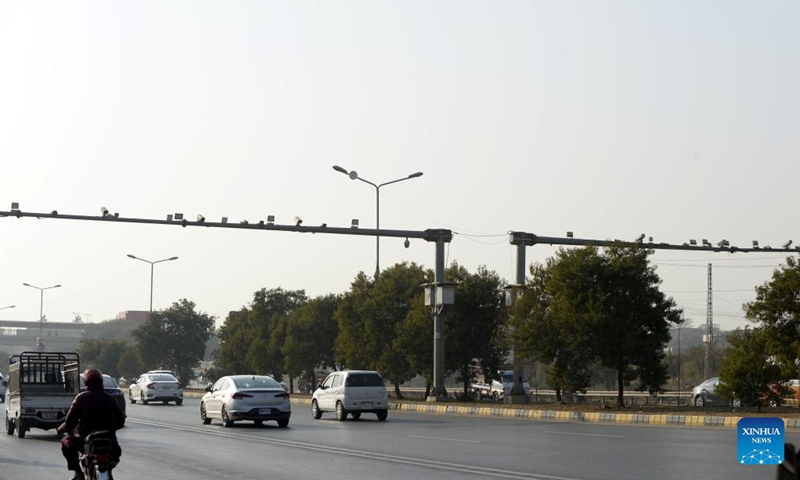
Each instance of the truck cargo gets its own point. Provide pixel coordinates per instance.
(41, 387)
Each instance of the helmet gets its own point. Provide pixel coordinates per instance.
(92, 374)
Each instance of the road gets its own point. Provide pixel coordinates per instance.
(169, 442)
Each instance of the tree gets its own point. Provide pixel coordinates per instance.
(175, 338)
(310, 336)
(544, 328)
(475, 323)
(585, 305)
(748, 371)
(105, 355)
(370, 319)
(415, 339)
(251, 340)
(777, 309)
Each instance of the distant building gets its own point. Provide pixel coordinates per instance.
(138, 316)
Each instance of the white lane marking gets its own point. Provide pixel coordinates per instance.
(419, 462)
(447, 439)
(585, 434)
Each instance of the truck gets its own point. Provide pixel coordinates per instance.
(41, 387)
(496, 390)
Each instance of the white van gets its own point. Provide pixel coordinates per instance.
(351, 392)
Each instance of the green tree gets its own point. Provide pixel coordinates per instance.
(104, 354)
(310, 336)
(175, 338)
(777, 309)
(252, 339)
(748, 371)
(475, 323)
(351, 318)
(545, 328)
(633, 321)
(370, 319)
(587, 305)
(415, 338)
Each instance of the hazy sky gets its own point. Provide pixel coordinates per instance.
(678, 119)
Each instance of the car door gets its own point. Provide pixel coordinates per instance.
(214, 400)
(324, 396)
(135, 390)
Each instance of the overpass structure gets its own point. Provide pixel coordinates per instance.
(18, 336)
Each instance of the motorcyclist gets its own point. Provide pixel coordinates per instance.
(91, 411)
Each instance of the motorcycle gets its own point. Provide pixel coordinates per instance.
(96, 459)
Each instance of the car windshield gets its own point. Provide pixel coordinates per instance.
(256, 382)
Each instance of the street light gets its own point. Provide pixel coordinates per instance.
(41, 303)
(152, 265)
(354, 176)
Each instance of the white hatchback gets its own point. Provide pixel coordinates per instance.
(351, 392)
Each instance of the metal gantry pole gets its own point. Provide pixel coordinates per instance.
(438, 326)
(377, 230)
(152, 268)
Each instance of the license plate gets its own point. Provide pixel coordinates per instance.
(265, 411)
(166, 388)
(50, 415)
(366, 405)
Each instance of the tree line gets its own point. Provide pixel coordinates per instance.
(586, 315)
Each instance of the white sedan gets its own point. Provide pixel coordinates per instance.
(246, 397)
(156, 387)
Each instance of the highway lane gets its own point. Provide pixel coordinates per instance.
(170, 442)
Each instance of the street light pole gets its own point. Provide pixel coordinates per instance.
(152, 268)
(354, 176)
(41, 303)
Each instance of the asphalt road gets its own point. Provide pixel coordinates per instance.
(169, 442)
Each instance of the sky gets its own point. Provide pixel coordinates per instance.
(677, 119)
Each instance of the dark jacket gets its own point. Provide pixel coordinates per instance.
(94, 410)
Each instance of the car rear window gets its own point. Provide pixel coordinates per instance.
(256, 382)
(109, 382)
(364, 380)
(163, 377)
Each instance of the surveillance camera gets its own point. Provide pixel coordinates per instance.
(787, 244)
(104, 211)
(407, 243)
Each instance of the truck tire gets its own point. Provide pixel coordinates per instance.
(20, 428)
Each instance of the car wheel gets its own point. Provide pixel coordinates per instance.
(341, 412)
(737, 402)
(699, 401)
(495, 396)
(356, 415)
(315, 411)
(283, 422)
(179, 402)
(203, 415)
(20, 428)
(141, 397)
(130, 397)
(226, 420)
(774, 402)
(9, 426)
(382, 415)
